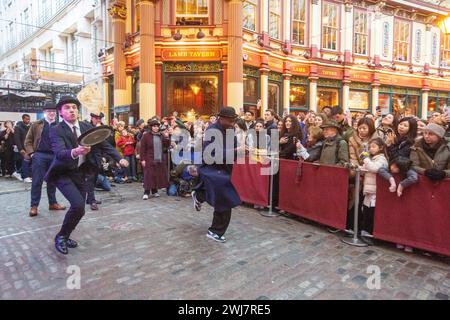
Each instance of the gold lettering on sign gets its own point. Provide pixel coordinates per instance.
(329, 73)
(191, 54)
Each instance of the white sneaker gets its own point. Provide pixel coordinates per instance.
(366, 234)
(409, 249)
(156, 195)
(145, 197)
(17, 176)
(28, 180)
(400, 246)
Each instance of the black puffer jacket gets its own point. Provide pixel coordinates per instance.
(402, 148)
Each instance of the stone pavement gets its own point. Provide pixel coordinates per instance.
(157, 249)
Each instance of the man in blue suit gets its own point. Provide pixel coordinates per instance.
(71, 166)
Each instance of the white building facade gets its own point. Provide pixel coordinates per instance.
(51, 44)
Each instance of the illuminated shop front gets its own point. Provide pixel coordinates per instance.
(191, 88)
(328, 93)
(400, 101)
(359, 97)
(298, 96)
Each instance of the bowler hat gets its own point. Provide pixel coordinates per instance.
(100, 116)
(228, 112)
(153, 122)
(49, 106)
(67, 99)
(330, 124)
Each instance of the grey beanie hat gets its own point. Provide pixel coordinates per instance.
(436, 129)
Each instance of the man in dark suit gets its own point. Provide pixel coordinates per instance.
(72, 165)
(215, 174)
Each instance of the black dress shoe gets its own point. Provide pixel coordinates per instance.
(72, 244)
(94, 206)
(61, 244)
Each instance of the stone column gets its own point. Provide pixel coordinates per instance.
(119, 14)
(147, 100)
(376, 49)
(424, 114)
(235, 86)
(313, 94)
(264, 21)
(375, 97)
(106, 99)
(345, 95)
(264, 90)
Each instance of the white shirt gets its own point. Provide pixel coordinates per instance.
(81, 158)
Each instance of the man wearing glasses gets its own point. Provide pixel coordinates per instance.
(38, 147)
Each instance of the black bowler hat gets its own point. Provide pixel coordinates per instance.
(49, 106)
(153, 122)
(228, 112)
(67, 99)
(100, 116)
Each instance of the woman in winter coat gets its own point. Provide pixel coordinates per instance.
(154, 159)
(388, 125)
(359, 141)
(401, 144)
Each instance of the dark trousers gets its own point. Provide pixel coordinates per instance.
(9, 162)
(91, 181)
(131, 170)
(74, 188)
(26, 169)
(221, 221)
(2, 163)
(40, 164)
(368, 215)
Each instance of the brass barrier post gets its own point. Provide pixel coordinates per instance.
(355, 241)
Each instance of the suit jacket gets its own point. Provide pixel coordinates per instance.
(62, 141)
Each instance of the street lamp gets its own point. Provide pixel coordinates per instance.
(445, 25)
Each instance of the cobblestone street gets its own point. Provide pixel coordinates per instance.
(132, 249)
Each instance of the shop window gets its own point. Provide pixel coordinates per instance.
(384, 102)
(445, 60)
(192, 93)
(249, 11)
(137, 17)
(299, 22)
(274, 97)
(442, 104)
(359, 100)
(297, 97)
(361, 32)
(327, 97)
(330, 26)
(275, 19)
(401, 40)
(405, 105)
(250, 91)
(192, 12)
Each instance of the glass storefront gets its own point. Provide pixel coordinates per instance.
(438, 101)
(359, 100)
(401, 101)
(191, 93)
(298, 93)
(359, 96)
(251, 88)
(275, 92)
(328, 93)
